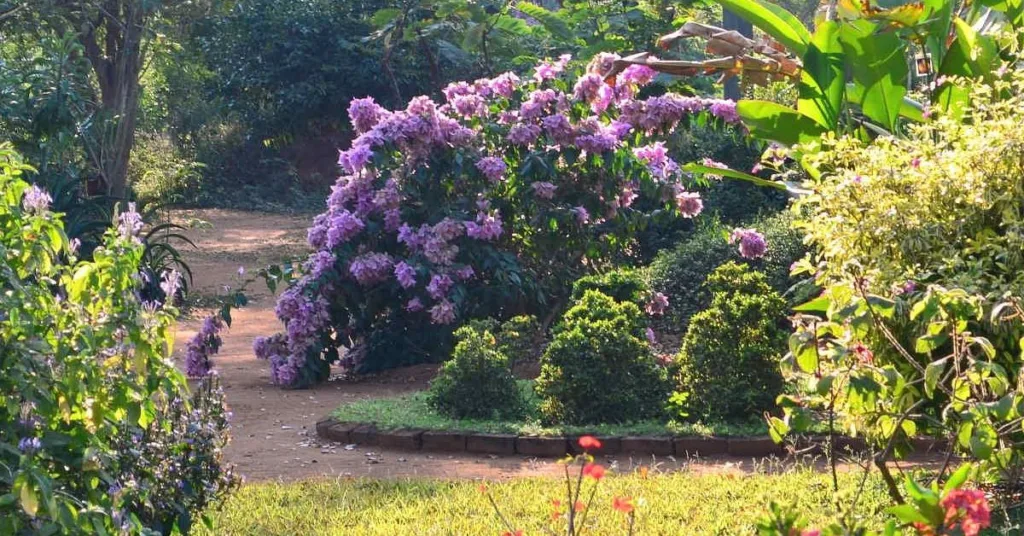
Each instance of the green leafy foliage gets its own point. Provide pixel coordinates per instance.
(680, 273)
(477, 382)
(599, 368)
(729, 360)
(622, 285)
(86, 373)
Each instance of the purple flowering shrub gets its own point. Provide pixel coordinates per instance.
(487, 204)
(85, 366)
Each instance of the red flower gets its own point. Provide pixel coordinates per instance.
(516, 533)
(589, 442)
(969, 508)
(578, 507)
(863, 353)
(594, 471)
(623, 504)
(482, 488)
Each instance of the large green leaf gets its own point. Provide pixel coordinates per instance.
(879, 65)
(821, 81)
(970, 55)
(770, 23)
(771, 121)
(788, 18)
(554, 24)
(733, 174)
(909, 108)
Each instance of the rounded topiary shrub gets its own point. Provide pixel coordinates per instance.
(477, 382)
(623, 284)
(729, 360)
(680, 273)
(599, 368)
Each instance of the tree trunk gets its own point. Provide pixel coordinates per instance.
(118, 65)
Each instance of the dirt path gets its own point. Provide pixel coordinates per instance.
(272, 429)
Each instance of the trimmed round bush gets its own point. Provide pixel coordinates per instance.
(599, 368)
(680, 273)
(477, 383)
(623, 284)
(729, 360)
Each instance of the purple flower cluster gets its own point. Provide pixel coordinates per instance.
(205, 344)
(689, 203)
(36, 200)
(129, 222)
(399, 212)
(751, 243)
(371, 268)
(492, 167)
(486, 227)
(657, 304)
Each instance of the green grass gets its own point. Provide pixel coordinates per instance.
(412, 411)
(673, 504)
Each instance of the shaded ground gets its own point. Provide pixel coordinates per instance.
(273, 436)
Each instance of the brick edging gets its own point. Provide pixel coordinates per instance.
(557, 446)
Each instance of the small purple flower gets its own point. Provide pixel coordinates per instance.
(657, 304)
(587, 87)
(371, 268)
(405, 274)
(523, 134)
(492, 167)
(689, 204)
(486, 226)
(639, 75)
(30, 445)
(465, 273)
(544, 190)
(724, 110)
(415, 305)
(504, 84)
(344, 226)
(548, 70)
(439, 286)
(170, 283)
(355, 159)
(205, 344)
(651, 337)
(129, 222)
(442, 313)
(581, 215)
(751, 243)
(36, 200)
(365, 114)
(470, 105)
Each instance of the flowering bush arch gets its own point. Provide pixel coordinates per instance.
(504, 193)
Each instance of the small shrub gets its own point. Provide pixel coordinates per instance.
(181, 448)
(623, 284)
(521, 340)
(729, 360)
(477, 382)
(599, 368)
(680, 273)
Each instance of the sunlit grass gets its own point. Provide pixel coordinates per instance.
(412, 411)
(671, 504)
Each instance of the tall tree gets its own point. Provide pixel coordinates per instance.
(114, 35)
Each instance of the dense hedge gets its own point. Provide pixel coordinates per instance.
(680, 273)
(599, 368)
(729, 361)
(477, 382)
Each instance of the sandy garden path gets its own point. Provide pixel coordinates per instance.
(273, 429)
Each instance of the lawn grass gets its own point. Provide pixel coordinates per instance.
(412, 411)
(672, 504)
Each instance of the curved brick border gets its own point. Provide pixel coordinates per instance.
(557, 446)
